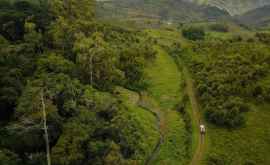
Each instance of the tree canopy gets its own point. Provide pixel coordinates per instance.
(60, 49)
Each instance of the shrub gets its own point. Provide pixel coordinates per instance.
(217, 159)
(9, 158)
(263, 37)
(194, 33)
(227, 74)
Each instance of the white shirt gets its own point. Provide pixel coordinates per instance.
(202, 127)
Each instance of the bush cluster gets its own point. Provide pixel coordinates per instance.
(227, 75)
(194, 33)
(76, 62)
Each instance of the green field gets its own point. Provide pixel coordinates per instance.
(164, 85)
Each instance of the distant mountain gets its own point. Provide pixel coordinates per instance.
(166, 10)
(234, 7)
(257, 18)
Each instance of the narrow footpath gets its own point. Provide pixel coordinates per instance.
(197, 119)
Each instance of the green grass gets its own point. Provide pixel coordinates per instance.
(166, 37)
(146, 123)
(228, 35)
(174, 149)
(241, 146)
(250, 144)
(165, 83)
(165, 80)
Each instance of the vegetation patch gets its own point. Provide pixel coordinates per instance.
(165, 81)
(194, 33)
(223, 78)
(247, 145)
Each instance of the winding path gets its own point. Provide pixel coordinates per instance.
(156, 106)
(195, 114)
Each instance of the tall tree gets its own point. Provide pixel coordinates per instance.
(96, 60)
(74, 10)
(72, 17)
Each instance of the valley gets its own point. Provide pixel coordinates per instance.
(130, 82)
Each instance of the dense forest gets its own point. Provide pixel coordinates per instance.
(55, 53)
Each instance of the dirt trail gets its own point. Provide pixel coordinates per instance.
(148, 103)
(199, 152)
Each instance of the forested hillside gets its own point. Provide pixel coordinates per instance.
(55, 57)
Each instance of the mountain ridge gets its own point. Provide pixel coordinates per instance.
(256, 18)
(171, 10)
(234, 7)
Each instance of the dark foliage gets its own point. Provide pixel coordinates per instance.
(14, 14)
(77, 62)
(263, 37)
(194, 33)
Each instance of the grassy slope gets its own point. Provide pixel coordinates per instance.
(250, 144)
(167, 37)
(165, 79)
(146, 120)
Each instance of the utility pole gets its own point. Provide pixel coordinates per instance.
(46, 135)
